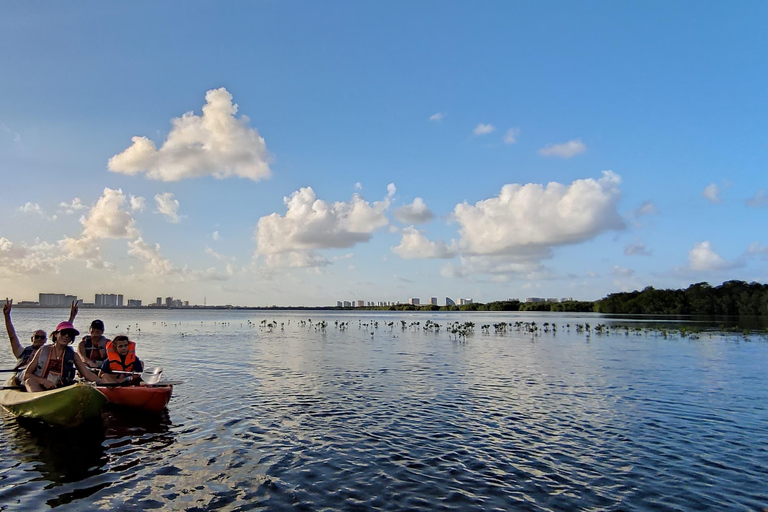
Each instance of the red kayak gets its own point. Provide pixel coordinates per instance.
(148, 398)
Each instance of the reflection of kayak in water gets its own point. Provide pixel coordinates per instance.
(148, 398)
(69, 406)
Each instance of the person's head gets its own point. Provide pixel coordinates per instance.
(96, 329)
(65, 333)
(121, 344)
(38, 338)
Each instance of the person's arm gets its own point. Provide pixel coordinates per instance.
(73, 311)
(138, 366)
(29, 373)
(16, 347)
(81, 352)
(85, 372)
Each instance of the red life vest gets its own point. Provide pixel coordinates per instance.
(116, 362)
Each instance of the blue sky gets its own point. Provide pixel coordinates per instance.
(389, 150)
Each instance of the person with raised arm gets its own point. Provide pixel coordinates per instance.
(54, 365)
(23, 354)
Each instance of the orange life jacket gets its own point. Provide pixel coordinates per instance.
(116, 362)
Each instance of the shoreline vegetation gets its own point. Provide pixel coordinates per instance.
(730, 299)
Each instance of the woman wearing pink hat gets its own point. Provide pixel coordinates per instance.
(54, 365)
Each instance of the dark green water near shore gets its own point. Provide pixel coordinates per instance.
(380, 417)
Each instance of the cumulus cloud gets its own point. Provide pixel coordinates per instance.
(311, 224)
(215, 144)
(712, 193)
(511, 136)
(531, 215)
(703, 258)
(437, 117)
(391, 190)
(483, 129)
(155, 265)
(36, 209)
(216, 235)
(75, 206)
(23, 259)
(168, 207)
(107, 219)
(137, 204)
(414, 213)
(565, 150)
(759, 200)
(636, 249)
(515, 231)
(415, 245)
(218, 256)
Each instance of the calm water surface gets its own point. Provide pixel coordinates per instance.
(386, 418)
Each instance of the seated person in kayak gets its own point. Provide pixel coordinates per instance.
(24, 355)
(93, 348)
(121, 357)
(54, 365)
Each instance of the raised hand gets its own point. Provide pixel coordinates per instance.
(7, 306)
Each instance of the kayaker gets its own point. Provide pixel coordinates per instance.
(54, 365)
(93, 348)
(121, 357)
(24, 355)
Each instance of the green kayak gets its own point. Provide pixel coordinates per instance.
(69, 406)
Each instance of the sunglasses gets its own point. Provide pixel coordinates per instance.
(39, 337)
(67, 332)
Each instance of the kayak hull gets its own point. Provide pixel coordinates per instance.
(69, 406)
(147, 398)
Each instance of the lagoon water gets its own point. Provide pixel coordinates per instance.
(386, 418)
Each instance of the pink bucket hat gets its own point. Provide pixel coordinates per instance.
(66, 326)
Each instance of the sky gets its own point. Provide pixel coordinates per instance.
(297, 153)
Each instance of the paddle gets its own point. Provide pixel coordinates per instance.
(149, 376)
(13, 387)
(14, 369)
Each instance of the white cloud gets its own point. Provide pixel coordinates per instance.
(712, 193)
(216, 235)
(414, 213)
(358, 186)
(218, 256)
(154, 263)
(511, 136)
(566, 150)
(214, 144)
(415, 245)
(23, 259)
(311, 224)
(137, 203)
(74, 206)
(529, 216)
(483, 129)
(759, 200)
(107, 219)
(391, 190)
(437, 117)
(35, 208)
(636, 249)
(515, 231)
(703, 258)
(168, 206)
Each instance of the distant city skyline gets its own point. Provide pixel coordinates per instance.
(381, 151)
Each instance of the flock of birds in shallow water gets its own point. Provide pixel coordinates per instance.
(460, 331)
